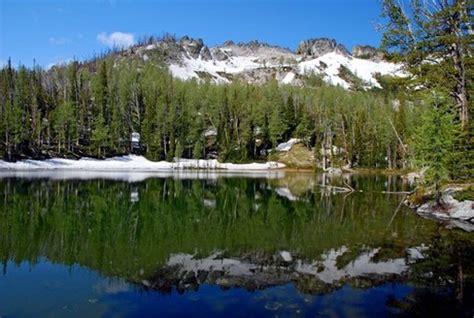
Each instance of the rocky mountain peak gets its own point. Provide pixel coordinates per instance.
(252, 48)
(228, 43)
(318, 47)
(192, 46)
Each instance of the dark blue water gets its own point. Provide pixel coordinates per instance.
(47, 289)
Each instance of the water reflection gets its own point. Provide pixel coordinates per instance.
(190, 234)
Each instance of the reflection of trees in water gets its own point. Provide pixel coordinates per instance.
(96, 224)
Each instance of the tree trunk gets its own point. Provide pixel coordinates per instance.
(458, 53)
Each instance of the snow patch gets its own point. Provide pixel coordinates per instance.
(286, 146)
(288, 79)
(133, 163)
(328, 65)
(188, 67)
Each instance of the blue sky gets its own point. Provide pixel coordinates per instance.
(52, 31)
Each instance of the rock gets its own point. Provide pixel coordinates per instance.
(466, 226)
(261, 52)
(367, 52)
(191, 46)
(205, 53)
(219, 55)
(202, 275)
(318, 47)
(452, 208)
(286, 256)
(457, 214)
(463, 210)
(170, 48)
(228, 43)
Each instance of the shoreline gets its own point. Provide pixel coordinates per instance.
(134, 163)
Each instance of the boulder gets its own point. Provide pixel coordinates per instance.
(456, 213)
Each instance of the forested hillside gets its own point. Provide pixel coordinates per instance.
(91, 108)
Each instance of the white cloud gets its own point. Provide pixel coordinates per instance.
(116, 39)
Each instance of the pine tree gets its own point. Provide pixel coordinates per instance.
(462, 159)
(434, 139)
(276, 127)
(100, 134)
(178, 152)
(63, 125)
(100, 131)
(435, 43)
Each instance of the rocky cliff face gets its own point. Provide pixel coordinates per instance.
(191, 46)
(319, 47)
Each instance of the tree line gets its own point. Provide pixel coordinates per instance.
(92, 109)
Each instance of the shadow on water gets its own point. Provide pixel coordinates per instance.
(284, 243)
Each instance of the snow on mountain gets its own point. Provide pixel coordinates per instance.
(329, 64)
(189, 68)
(256, 62)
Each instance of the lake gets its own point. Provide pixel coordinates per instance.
(234, 245)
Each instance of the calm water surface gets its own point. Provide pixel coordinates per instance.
(272, 244)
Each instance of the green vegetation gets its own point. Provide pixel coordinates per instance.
(298, 157)
(433, 141)
(434, 43)
(465, 194)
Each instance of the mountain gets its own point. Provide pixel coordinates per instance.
(257, 62)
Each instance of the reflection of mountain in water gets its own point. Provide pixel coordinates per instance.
(259, 270)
